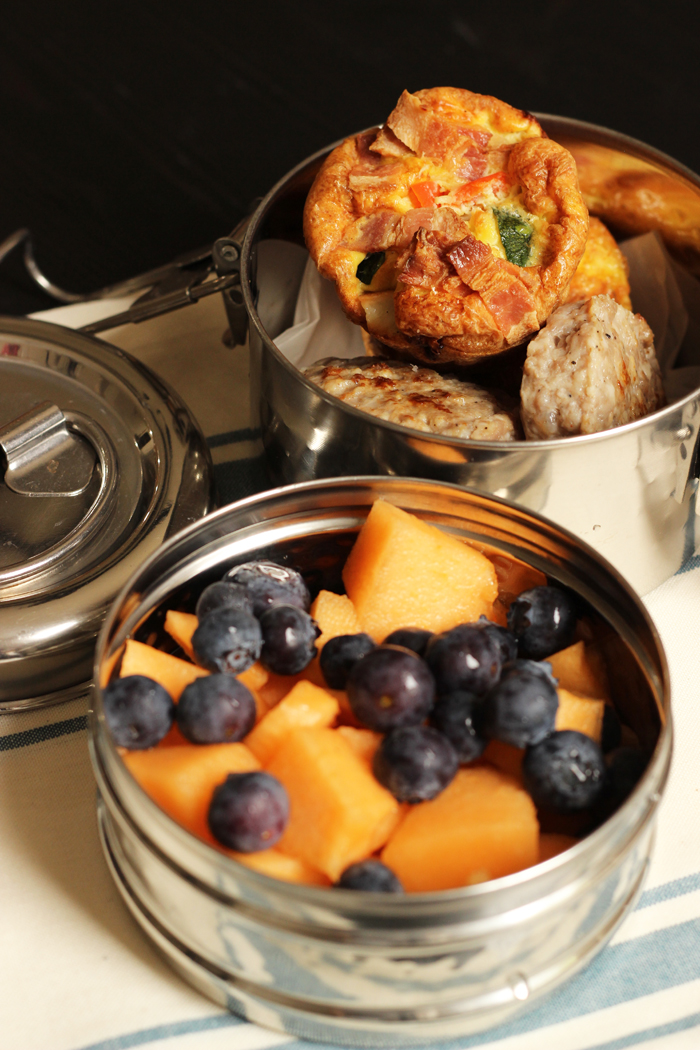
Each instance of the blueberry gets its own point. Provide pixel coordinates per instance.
(415, 763)
(138, 711)
(565, 772)
(227, 640)
(505, 639)
(611, 736)
(220, 594)
(390, 687)
(522, 708)
(215, 709)
(467, 657)
(248, 812)
(289, 639)
(413, 638)
(340, 654)
(370, 875)
(269, 584)
(543, 620)
(458, 716)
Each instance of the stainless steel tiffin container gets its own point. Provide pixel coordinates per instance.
(358, 968)
(629, 492)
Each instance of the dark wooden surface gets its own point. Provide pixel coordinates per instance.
(130, 132)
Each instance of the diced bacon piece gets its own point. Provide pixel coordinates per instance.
(372, 233)
(471, 165)
(364, 144)
(436, 220)
(431, 135)
(374, 177)
(426, 265)
(503, 294)
(387, 144)
(469, 258)
(509, 305)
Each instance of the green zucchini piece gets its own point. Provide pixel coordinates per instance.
(516, 235)
(367, 269)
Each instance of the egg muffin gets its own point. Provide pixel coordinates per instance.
(603, 270)
(452, 232)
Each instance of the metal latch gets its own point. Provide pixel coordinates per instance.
(187, 279)
(43, 457)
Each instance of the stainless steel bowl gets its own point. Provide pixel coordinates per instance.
(629, 492)
(358, 968)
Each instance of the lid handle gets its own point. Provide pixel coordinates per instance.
(43, 457)
(43, 422)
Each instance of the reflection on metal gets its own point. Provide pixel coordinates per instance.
(43, 457)
(24, 237)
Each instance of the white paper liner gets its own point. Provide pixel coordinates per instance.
(664, 294)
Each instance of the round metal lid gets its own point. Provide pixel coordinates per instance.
(100, 462)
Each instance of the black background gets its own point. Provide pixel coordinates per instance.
(131, 132)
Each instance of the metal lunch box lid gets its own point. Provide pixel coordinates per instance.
(100, 462)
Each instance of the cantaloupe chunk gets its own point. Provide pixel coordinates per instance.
(482, 826)
(172, 672)
(335, 615)
(364, 742)
(405, 572)
(181, 780)
(580, 713)
(305, 705)
(175, 674)
(181, 626)
(553, 843)
(515, 576)
(338, 812)
(281, 866)
(580, 669)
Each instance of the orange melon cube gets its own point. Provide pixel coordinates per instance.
(580, 713)
(580, 669)
(553, 843)
(181, 780)
(404, 572)
(254, 677)
(482, 826)
(305, 705)
(170, 671)
(335, 615)
(339, 814)
(514, 576)
(181, 626)
(281, 866)
(364, 742)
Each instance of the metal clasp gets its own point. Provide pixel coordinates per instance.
(43, 457)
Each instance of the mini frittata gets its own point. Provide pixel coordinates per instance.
(452, 232)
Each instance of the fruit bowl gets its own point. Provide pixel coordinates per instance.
(367, 968)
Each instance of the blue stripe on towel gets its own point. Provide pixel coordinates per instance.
(668, 890)
(233, 437)
(165, 1031)
(635, 1038)
(41, 733)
